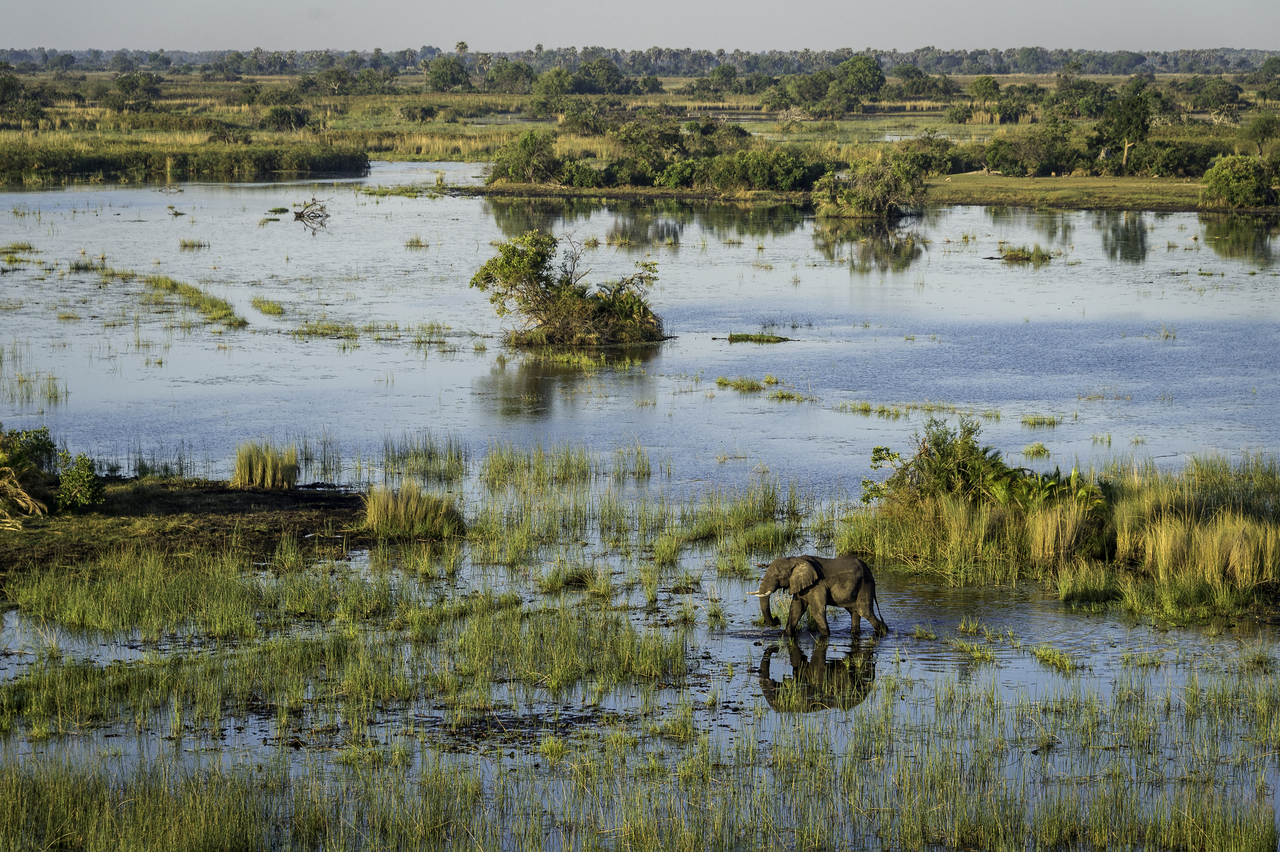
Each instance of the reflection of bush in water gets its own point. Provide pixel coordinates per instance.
(1241, 237)
(867, 245)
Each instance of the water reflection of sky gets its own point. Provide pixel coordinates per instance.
(1147, 333)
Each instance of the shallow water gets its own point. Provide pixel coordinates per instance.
(1151, 336)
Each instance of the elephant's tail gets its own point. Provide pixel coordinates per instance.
(875, 607)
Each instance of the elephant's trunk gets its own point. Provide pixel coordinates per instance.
(767, 587)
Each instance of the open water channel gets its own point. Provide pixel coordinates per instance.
(1146, 336)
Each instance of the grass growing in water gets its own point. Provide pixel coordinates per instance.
(268, 307)
(213, 309)
(735, 337)
(263, 465)
(410, 512)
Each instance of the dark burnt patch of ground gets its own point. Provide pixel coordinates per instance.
(180, 515)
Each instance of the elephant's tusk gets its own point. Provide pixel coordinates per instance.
(759, 594)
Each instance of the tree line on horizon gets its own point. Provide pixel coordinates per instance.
(655, 61)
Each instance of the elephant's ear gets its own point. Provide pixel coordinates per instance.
(804, 574)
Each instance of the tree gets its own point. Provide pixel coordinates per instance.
(336, 80)
(862, 76)
(1261, 130)
(1125, 122)
(555, 305)
(984, 89)
(448, 73)
(883, 190)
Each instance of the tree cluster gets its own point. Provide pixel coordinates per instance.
(554, 305)
(657, 151)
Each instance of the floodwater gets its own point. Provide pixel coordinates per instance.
(1148, 334)
(1151, 336)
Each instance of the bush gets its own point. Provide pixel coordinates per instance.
(1237, 182)
(285, 118)
(530, 158)
(420, 114)
(884, 190)
(554, 305)
(79, 485)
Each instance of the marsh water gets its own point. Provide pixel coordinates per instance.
(1145, 336)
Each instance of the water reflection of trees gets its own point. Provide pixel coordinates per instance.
(644, 223)
(1246, 238)
(1124, 234)
(868, 245)
(540, 386)
(1053, 226)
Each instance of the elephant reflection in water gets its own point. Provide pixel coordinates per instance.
(817, 683)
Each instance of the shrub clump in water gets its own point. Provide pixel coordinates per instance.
(556, 307)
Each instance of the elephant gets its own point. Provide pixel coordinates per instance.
(817, 683)
(816, 583)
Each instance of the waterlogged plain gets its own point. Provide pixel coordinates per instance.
(581, 667)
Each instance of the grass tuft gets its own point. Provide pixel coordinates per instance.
(410, 512)
(263, 465)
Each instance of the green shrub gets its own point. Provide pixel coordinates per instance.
(79, 485)
(1237, 182)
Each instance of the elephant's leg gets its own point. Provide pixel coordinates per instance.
(818, 612)
(857, 619)
(797, 610)
(867, 609)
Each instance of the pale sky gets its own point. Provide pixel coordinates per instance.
(754, 25)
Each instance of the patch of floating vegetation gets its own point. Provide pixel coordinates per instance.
(161, 289)
(898, 410)
(1041, 421)
(1021, 254)
(268, 307)
(735, 337)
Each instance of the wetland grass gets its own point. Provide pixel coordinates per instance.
(425, 457)
(268, 307)
(1021, 254)
(266, 466)
(736, 337)
(411, 512)
(162, 289)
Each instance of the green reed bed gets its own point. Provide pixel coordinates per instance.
(144, 590)
(507, 466)
(261, 464)
(268, 307)
(1189, 544)
(425, 457)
